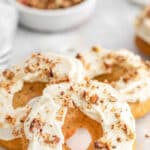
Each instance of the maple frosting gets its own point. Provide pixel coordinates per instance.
(134, 84)
(43, 117)
(49, 68)
(96, 100)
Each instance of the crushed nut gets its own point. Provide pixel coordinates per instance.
(8, 74)
(94, 99)
(10, 119)
(36, 124)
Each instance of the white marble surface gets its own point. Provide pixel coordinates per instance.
(111, 27)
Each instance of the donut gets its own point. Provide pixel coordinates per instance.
(124, 71)
(142, 31)
(20, 84)
(68, 106)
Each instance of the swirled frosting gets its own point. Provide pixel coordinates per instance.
(134, 84)
(96, 100)
(43, 125)
(41, 120)
(52, 68)
(142, 25)
(49, 68)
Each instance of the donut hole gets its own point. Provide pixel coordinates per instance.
(80, 140)
(76, 120)
(29, 91)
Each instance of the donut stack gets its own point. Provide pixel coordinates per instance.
(44, 101)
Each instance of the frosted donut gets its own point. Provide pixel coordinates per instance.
(142, 31)
(97, 101)
(19, 85)
(123, 70)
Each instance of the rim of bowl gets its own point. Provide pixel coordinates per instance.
(54, 12)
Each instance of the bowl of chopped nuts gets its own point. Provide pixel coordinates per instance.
(53, 15)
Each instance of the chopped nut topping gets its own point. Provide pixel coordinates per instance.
(94, 99)
(117, 115)
(62, 93)
(80, 57)
(51, 73)
(101, 145)
(8, 74)
(71, 88)
(16, 132)
(10, 119)
(114, 147)
(95, 49)
(127, 131)
(22, 120)
(60, 113)
(51, 140)
(112, 99)
(85, 95)
(36, 124)
(112, 126)
(50, 4)
(119, 139)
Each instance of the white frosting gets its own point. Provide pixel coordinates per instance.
(53, 68)
(42, 128)
(109, 110)
(44, 116)
(10, 118)
(142, 25)
(40, 67)
(134, 88)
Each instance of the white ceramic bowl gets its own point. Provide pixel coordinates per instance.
(54, 20)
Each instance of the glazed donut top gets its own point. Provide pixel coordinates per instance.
(142, 24)
(96, 100)
(133, 84)
(49, 68)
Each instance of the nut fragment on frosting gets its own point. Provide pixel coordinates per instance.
(49, 68)
(107, 109)
(132, 73)
(41, 127)
(52, 68)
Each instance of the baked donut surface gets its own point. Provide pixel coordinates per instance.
(19, 85)
(124, 71)
(65, 107)
(142, 45)
(142, 31)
